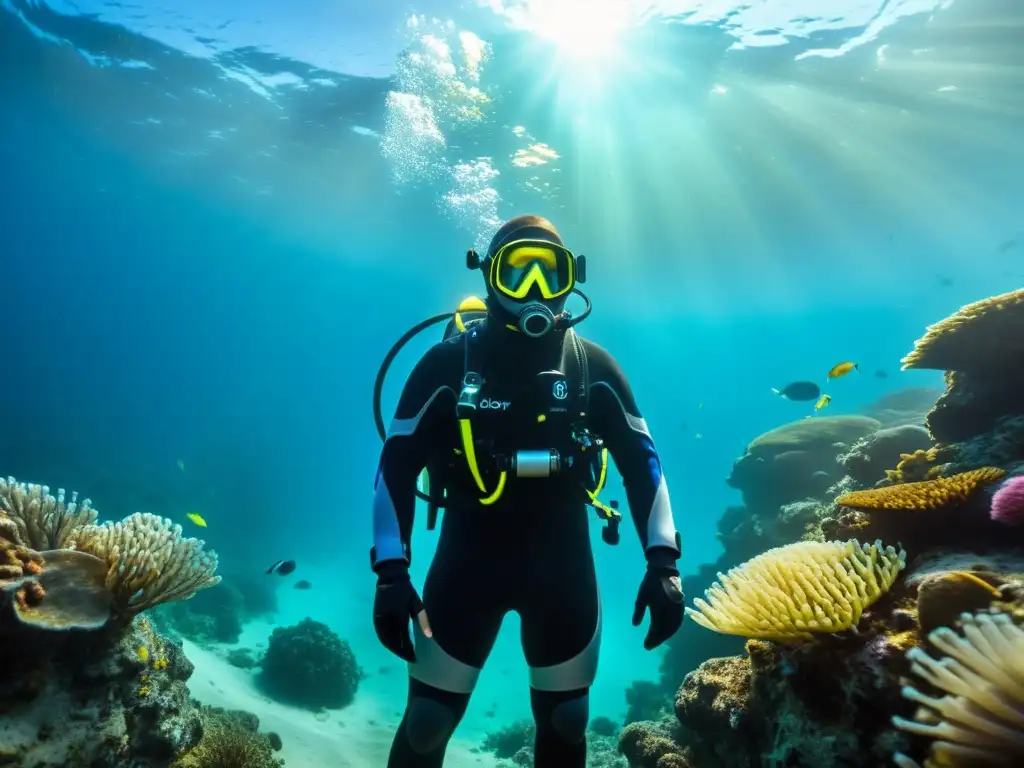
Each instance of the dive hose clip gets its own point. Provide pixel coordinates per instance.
(469, 397)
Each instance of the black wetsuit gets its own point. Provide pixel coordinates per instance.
(529, 552)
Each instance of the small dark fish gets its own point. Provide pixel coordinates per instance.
(944, 281)
(302, 584)
(282, 567)
(1007, 245)
(880, 374)
(799, 391)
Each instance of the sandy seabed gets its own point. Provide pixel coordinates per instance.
(358, 736)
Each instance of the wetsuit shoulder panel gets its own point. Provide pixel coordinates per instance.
(428, 393)
(616, 417)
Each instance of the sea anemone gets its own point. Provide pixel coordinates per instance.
(1008, 502)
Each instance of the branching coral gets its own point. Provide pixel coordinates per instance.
(16, 560)
(940, 492)
(980, 720)
(915, 467)
(792, 592)
(44, 522)
(980, 336)
(148, 561)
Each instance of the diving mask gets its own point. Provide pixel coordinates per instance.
(532, 269)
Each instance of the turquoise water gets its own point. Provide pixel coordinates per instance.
(217, 217)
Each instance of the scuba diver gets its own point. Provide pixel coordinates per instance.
(513, 416)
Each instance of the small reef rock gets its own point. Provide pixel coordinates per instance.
(513, 745)
(310, 666)
(905, 652)
(85, 680)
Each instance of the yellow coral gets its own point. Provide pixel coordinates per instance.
(980, 719)
(927, 494)
(978, 337)
(148, 561)
(916, 466)
(791, 592)
(160, 663)
(144, 690)
(44, 522)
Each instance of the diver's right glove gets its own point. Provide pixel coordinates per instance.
(394, 604)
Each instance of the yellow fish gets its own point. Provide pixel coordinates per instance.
(842, 369)
(822, 402)
(181, 465)
(143, 653)
(196, 518)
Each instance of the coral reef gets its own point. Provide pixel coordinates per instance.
(982, 337)
(827, 702)
(231, 739)
(76, 688)
(915, 467)
(980, 719)
(983, 404)
(257, 593)
(654, 745)
(716, 694)
(791, 592)
(242, 658)
(869, 458)
(43, 521)
(645, 700)
(804, 694)
(148, 561)
(211, 616)
(92, 699)
(904, 406)
(796, 461)
(603, 726)
(513, 745)
(309, 665)
(506, 742)
(938, 493)
(944, 511)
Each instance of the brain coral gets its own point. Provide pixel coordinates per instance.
(791, 592)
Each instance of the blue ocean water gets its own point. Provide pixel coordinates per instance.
(216, 218)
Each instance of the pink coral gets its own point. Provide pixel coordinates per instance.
(1008, 502)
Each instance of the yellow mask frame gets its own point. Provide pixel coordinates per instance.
(543, 255)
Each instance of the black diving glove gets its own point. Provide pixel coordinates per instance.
(394, 604)
(662, 592)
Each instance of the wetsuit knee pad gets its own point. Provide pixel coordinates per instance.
(428, 724)
(569, 719)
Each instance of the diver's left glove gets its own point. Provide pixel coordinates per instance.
(661, 591)
(394, 604)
